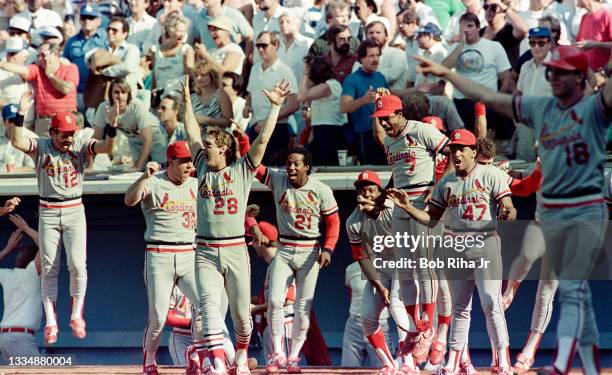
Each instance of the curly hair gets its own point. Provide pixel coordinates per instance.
(172, 21)
(223, 138)
(485, 147)
(415, 106)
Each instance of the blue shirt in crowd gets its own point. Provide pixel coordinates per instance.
(76, 48)
(356, 85)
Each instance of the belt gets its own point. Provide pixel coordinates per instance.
(54, 200)
(60, 202)
(17, 330)
(575, 194)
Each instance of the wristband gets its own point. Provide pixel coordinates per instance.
(18, 121)
(112, 131)
(330, 251)
(481, 109)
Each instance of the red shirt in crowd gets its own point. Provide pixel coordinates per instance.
(50, 100)
(596, 26)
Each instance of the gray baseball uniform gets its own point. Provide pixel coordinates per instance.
(573, 214)
(222, 259)
(412, 157)
(298, 214)
(61, 216)
(170, 214)
(470, 203)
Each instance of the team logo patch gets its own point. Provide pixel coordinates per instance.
(68, 120)
(555, 55)
(457, 136)
(379, 103)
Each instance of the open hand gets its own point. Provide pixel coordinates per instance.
(399, 197)
(10, 204)
(279, 92)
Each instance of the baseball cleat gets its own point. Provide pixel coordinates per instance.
(437, 353)
(242, 369)
(51, 335)
(193, 361)
(78, 328)
(466, 368)
(252, 363)
(150, 370)
(293, 366)
(210, 370)
(505, 371)
(523, 364)
(407, 346)
(276, 362)
(446, 371)
(389, 370)
(424, 340)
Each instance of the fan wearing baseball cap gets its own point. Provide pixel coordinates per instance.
(411, 148)
(371, 219)
(454, 197)
(60, 163)
(572, 130)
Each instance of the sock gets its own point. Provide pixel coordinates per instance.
(413, 312)
(495, 356)
(454, 357)
(296, 347)
(428, 312)
(217, 358)
(465, 355)
(503, 358)
(77, 307)
(532, 343)
(241, 356)
(203, 354)
(566, 347)
(277, 343)
(50, 315)
(378, 342)
(443, 323)
(149, 358)
(589, 356)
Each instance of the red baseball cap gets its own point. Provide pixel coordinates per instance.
(178, 150)
(569, 58)
(369, 177)
(386, 105)
(64, 122)
(268, 230)
(436, 121)
(462, 137)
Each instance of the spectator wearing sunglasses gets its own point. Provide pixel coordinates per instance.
(89, 38)
(504, 26)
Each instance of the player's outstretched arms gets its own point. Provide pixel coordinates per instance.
(135, 192)
(15, 132)
(276, 97)
(427, 217)
(507, 212)
(194, 135)
(501, 103)
(9, 205)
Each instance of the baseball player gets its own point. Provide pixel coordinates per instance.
(222, 260)
(573, 216)
(470, 197)
(366, 223)
(180, 319)
(301, 204)
(411, 148)
(168, 203)
(60, 162)
(21, 293)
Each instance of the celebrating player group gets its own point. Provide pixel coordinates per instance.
(195, 230)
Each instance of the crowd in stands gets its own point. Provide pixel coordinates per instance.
(119, 60)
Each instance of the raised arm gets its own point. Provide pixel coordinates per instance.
(135, 192)
(23, 226)
(501, 103)
(15, 68)
(106, 146)
(9, 205)
(18, 141)
(194, 136)
(276, 97)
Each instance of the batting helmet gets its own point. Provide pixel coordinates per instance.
(569, 58)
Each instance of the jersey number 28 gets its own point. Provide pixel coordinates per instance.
(221, 206)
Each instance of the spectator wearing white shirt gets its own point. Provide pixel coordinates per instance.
(141, 25)
(129, 54)
(242, 31)
(294, 46)
(262, 77)
(227, 54)
(366, 11)
(39, 16)
(432, 48)
(12, 85)
(323, 91)
(393, 62)
(11, 159)
(408, 29)
(22, 299)
(233, 85)
(266, 19)
(452, 34)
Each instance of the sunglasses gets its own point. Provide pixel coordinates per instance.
(112, 30)
(539, 43)
(262, 45)
(88, 18)
(16, 32)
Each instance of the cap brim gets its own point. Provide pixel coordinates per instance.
(72, 128)
(461, 143)
(382, 113)
(561, 65)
